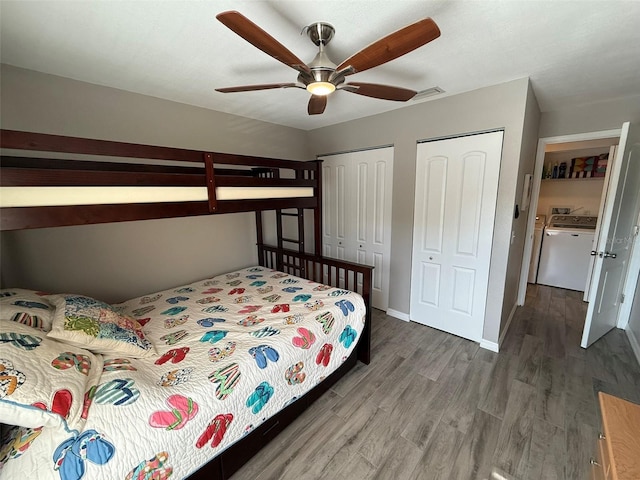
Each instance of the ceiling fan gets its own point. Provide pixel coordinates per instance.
(322, 77)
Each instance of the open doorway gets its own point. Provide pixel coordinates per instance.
(616, 252)
(569, 209)
(612, 279)
(568, 192)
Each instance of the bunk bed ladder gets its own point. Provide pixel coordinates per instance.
(282, 240)
(284, 263)
(299, 268)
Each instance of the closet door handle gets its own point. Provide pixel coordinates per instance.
(609, 254)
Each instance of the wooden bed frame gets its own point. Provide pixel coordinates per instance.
(340, 273)
(200, 169)
(248, 171)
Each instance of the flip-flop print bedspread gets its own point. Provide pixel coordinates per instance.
(232, 351)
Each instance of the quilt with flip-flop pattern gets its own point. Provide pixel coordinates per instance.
(232, 351)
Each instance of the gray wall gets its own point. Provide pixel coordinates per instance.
(500, 106)
(531, 122)
(590, 118)
(118, 261)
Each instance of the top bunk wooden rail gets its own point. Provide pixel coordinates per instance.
(201, 169)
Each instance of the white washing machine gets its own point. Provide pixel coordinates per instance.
(535, 249)
(566, 251)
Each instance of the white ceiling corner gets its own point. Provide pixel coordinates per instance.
(575, 52)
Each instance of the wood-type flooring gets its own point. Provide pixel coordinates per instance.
(435, 406)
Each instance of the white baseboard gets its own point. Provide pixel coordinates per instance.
(506, 328)
(399, 315)
(635, 346)
(493, 346)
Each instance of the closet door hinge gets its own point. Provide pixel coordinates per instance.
(622, 298)
(636, 230)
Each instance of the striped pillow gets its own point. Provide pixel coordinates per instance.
(28, 307)
(33, 321)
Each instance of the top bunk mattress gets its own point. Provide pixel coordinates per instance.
(233, 351)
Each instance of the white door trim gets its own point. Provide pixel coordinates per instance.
(460, 135)
(535, 192)
(354, 150)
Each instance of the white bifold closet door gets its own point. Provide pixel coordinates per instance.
(455, 203)
(356, 209)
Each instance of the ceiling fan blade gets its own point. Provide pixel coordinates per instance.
(250, 88)
(317, 104)
(257, 37)
(393, 46)
(385, 92)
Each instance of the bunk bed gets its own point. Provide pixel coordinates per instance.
(46, 180)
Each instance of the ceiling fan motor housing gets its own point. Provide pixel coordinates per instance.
(319, 32)
(321, 66)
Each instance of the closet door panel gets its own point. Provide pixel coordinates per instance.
(456, 193)
(362, 206)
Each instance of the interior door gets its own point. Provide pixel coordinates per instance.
(596, 234)
(455, 202)
(357, 213)
(334, 210)
(615, 239)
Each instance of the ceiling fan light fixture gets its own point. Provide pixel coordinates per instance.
(321, 76)
(321, 88)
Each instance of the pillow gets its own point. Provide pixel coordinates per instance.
(27, 307)
(43, 382)
(97, 326)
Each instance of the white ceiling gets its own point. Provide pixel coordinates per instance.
(575, 52)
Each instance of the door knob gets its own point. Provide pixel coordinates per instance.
(593, 253)
(609, 254)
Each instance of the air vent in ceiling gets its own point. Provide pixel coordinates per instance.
(428, 93)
